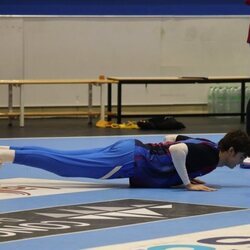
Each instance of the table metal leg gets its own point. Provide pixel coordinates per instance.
(119, 103)
(242, 108)
(109, 101)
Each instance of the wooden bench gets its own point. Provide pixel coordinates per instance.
(21, 83)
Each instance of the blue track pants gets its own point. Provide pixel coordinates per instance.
(114, 161)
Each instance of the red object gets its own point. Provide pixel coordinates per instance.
(247, 1)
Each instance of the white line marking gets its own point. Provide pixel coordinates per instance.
(112, 172)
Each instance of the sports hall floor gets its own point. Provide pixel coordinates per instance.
(42, 211)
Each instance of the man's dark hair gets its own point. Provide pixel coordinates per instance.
(237, 139)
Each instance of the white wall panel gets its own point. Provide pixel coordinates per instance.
(84, 47)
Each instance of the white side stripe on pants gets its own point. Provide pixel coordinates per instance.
(113, 171)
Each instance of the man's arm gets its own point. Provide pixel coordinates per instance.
(179, 154)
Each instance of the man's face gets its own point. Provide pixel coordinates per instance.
(234, 158)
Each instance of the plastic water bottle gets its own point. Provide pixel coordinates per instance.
(247, 96)
(210, 100)
(235, 99)
(230, 99)
(220, 100)
(215, 101)
(227, 99)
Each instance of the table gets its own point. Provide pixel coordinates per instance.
(174, 80)
(21, 83)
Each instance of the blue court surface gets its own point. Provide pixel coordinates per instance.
(40, 210)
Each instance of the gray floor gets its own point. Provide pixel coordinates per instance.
(60, 127)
